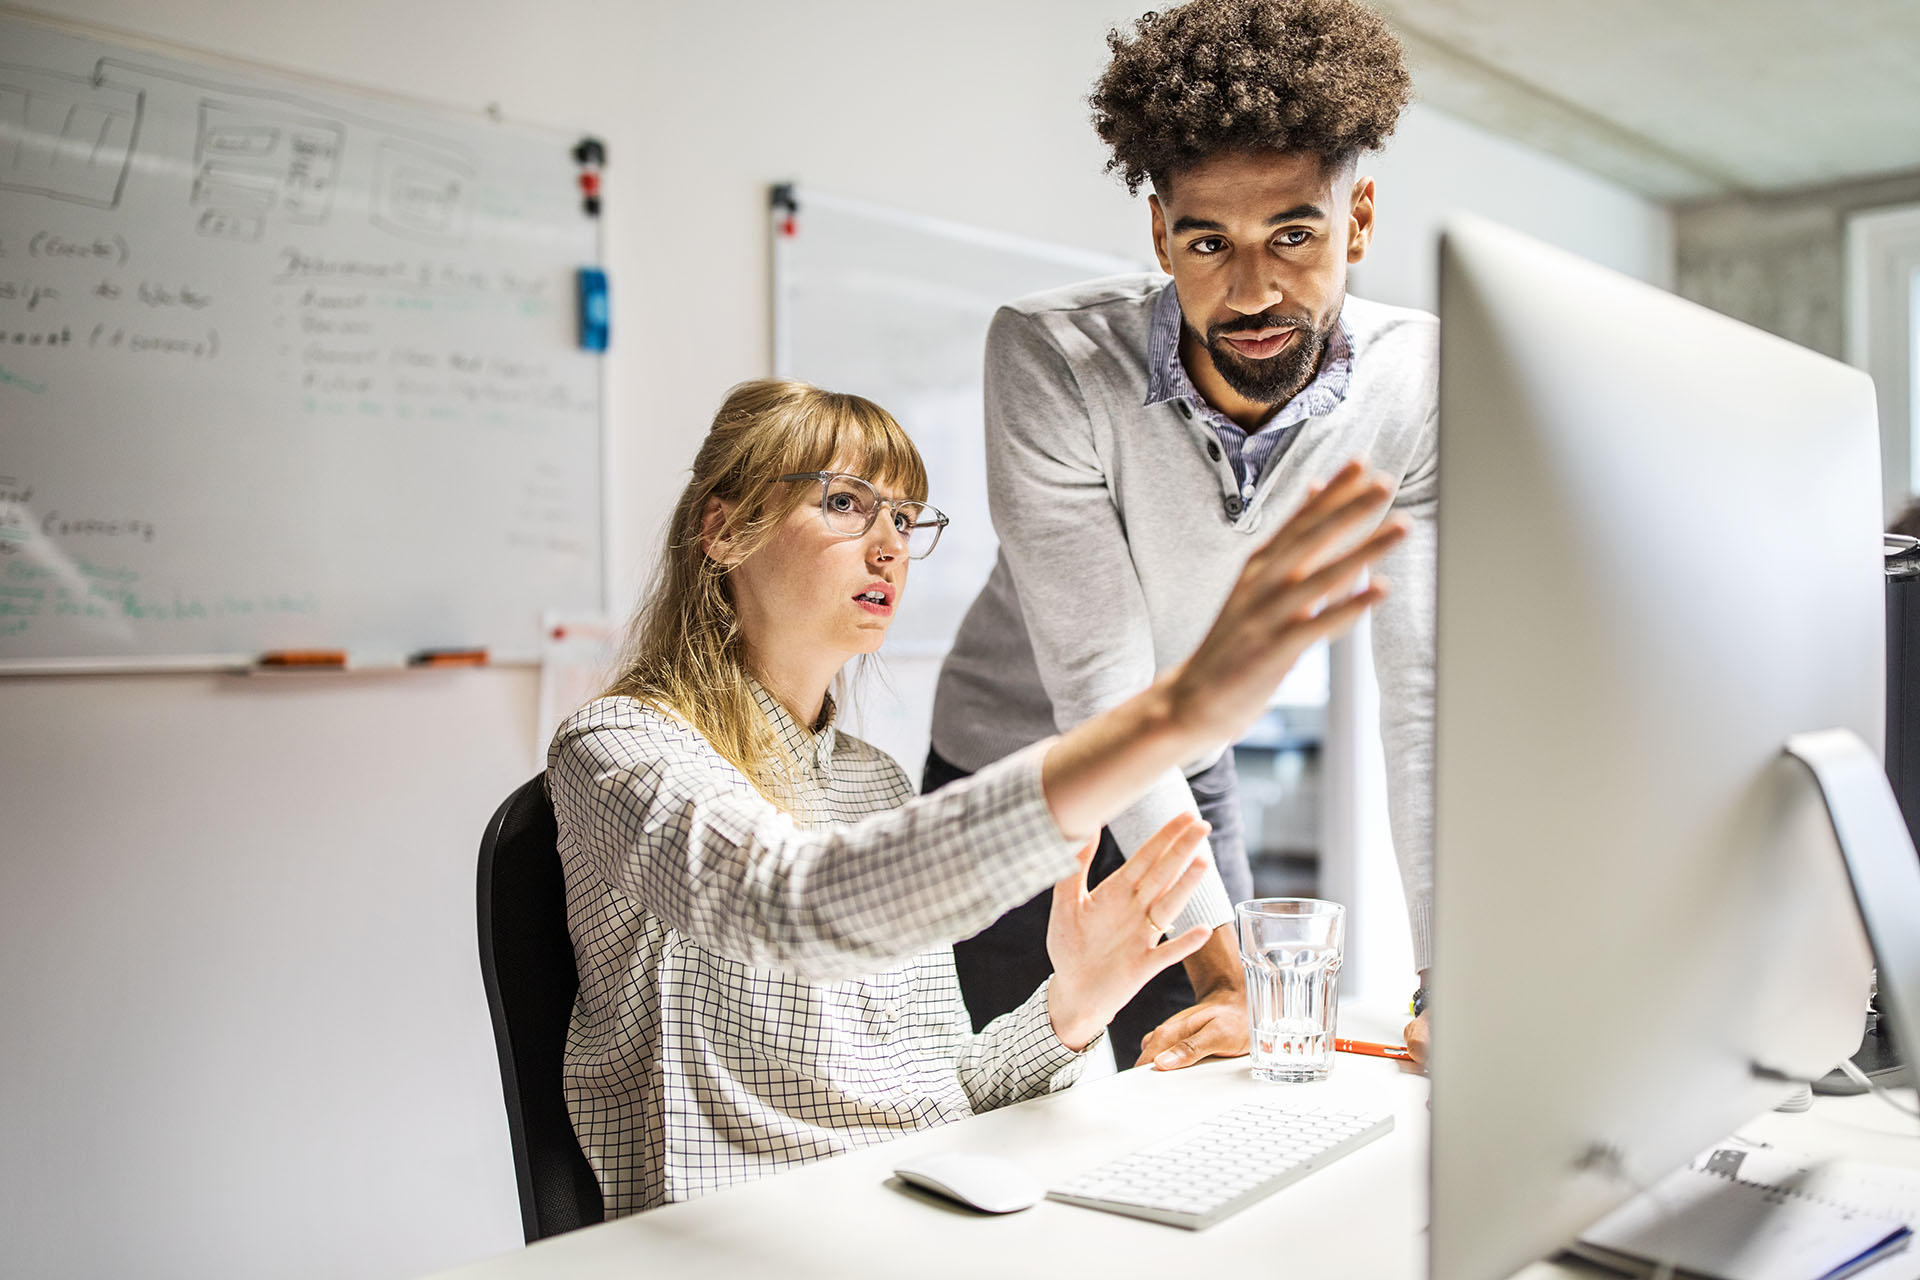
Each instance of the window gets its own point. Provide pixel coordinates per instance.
(1913, 364)
(1883, 337)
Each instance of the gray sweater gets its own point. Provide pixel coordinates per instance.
(1116, 550)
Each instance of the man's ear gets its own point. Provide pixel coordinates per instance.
(713, 519)
(1160, 232)
(1360, 220)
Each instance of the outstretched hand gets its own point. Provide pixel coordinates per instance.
(1301, 586)
(1297, 589)
(1105, 943)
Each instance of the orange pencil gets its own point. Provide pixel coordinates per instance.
(449, 658)
(304, 658)
(1373, 1050)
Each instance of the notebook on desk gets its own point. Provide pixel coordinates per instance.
(1739, 1212)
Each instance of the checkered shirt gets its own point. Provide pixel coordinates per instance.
(759, 990)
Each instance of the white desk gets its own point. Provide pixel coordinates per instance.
(1363, 1216)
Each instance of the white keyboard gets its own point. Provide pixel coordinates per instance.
(1219, 1167)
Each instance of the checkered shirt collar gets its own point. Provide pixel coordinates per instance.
(810, 749)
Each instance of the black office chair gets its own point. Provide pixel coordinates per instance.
(526, 960)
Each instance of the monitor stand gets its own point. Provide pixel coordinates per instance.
(1878, 1059)
(1885, 873)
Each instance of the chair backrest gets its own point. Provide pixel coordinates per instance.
(526, 960)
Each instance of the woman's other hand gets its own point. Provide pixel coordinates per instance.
(1105, 943)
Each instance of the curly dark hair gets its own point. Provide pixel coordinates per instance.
(1321, 76)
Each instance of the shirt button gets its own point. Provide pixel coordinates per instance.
(1233, 507)
(1247, 492)
(1186, 410)
(1213, 451)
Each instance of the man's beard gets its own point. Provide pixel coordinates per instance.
(1278, 378)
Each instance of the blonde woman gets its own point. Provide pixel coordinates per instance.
(762, 910)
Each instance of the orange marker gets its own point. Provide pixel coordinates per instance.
(1373, 1050)
(304, 658)
(449, 658)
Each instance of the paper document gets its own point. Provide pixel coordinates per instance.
(1740, 1212)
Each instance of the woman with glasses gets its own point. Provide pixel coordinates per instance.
(762, 909)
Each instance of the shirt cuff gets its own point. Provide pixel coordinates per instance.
(1208, 906)
(1063, 1065)
(1420, 916)
(1041, 1061)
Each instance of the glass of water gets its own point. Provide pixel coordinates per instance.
(1291, 950)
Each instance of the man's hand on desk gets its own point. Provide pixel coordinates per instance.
(1418, 1034)
(1216, 1025)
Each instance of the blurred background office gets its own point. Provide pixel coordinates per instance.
(241, 1023)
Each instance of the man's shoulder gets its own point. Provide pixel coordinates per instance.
(1134, 291)
(1396, 366)
(1375, 322)
(1396, 350)
(1098, 328)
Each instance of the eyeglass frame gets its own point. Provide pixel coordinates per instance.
(826, 478)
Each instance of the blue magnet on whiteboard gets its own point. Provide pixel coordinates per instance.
(593, 309)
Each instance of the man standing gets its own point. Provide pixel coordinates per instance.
(1142, 434)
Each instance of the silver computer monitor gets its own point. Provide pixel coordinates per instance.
(1659, 558)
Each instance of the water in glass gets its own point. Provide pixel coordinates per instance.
(1291, 994)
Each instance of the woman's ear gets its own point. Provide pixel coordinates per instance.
(713, 519)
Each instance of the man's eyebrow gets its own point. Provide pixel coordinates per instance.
(1299, 213)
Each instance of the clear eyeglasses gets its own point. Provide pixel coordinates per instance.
(850, 505)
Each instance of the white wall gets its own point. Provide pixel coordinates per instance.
(243, 1028)
(1436, 166)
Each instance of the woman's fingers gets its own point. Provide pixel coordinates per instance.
(1279, 597)
(1070, 888)
(1161, 860)
(1352, 483)
(1174, 950)
(1165, 907)
(1336, 618)
(1332, 579)
(1312, 532)
(1323, 493)
(1309, 541)
(1084, 860)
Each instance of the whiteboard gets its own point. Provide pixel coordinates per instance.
(894, 306)
(282, 366)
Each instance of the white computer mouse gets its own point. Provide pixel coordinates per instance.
(975, 1179)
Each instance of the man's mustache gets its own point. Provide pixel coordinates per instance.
(1265, 320)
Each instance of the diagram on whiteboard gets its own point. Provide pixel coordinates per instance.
(65, 137)
(249, 162)
(421, 194)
